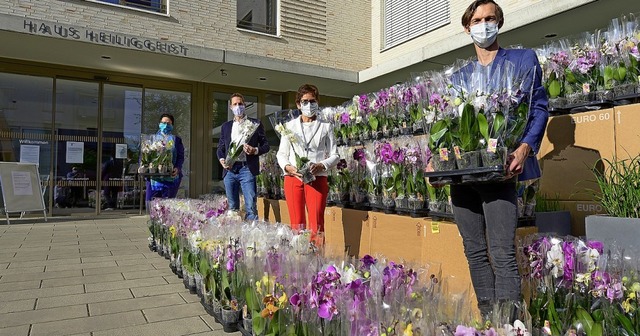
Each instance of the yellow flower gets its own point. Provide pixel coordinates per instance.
(173, 231)
(627, 306)
(408, 331)
(282, 300)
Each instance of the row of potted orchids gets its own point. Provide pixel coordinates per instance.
(267, 279)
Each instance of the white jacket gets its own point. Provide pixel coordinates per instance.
(322, 147)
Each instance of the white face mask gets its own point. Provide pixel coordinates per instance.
(484, 34)
(309, 109)
(238, 110)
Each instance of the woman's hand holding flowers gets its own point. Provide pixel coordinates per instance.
(317, 167)
(516, 160)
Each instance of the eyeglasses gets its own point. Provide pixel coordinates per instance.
(310, 101)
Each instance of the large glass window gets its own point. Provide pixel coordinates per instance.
(178, 104)
(258, 15)
(154, 6)
(406, 19)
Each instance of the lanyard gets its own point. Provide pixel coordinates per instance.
(304, 139)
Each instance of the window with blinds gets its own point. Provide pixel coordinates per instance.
(153, 6)
(406, 19)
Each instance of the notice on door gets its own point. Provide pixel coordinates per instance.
(75, 152)
(30, 154)
(21, 183)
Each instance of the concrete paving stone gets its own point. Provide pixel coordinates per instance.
(39, 276)
(90, 279)
(4, 266)
(65, 249)
(7, 254)
(173, 312)
(88, 324)
(212, 323)
(135, 256)
(14, 286)
(185, 326)
(21, 253)
(19, 305)
(64, 243)
(53, 256)
(37, 269)
(121, 242)
(160, 264)
(147, 274)
(83, 298)
(93, 244)
(172, 279)
(48, 263)
(122, 284)
(81, 266)
(92, 239)
(117, 269)
(140, 261)
(147, 302)
(188, 297)
(42, 256)
(158, 290)
(38, 248)
(41, 293)
(42, 315)
(22, 330)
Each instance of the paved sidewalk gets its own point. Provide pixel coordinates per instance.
(92, 277)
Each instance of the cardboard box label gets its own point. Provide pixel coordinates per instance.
(435, 227)
(591, 117)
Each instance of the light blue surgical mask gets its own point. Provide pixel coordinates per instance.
(484, 34)
(165, 128)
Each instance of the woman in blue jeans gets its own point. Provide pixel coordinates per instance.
(486, 214)
(167, 187)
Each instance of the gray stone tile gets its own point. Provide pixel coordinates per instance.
(32, 249)
(97, 287)
(129, 262)
(14, 286)
(185, 326)
(64, 243)
(89, 279)
(48, 263)
(135, 256)
(17, 306)
(158, 290)
(96, 244)
(41, 293)
(63, 249)
(127, 252)
(172, 279)
(40, 276)
(147, 274)
(4, 265)
(88, 324)
(54, 256)
(35, 257)
(147, 302)
(22, 330)
(81, 266)
(117, 269)
(42, 315)
(27, 270)
(75, 299)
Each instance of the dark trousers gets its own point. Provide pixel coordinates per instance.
(486, 215)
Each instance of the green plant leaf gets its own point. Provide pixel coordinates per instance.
(554, 88)
(585, 319)
(483, 126)
(596, 330)
(258, 323)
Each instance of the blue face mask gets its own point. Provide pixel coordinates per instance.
(165, 128)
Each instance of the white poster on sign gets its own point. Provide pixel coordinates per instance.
(30, 154)
(75, 152)
(121, 151)
(21, 183)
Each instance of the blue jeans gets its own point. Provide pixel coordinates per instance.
(235, 179)
(486, 215)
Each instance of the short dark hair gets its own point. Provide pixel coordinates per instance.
(239, 95)
(468, 14)
(173, 122)
(307, 88)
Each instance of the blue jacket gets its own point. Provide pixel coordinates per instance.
(524, 61)
(259, 139)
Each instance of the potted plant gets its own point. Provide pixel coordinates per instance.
(551, 217)
(619, 185)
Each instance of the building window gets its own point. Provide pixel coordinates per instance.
(258, 15)
(407, 19)
(154, 6)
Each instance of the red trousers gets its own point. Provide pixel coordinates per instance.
(312, 195)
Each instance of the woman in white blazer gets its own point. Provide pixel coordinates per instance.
(314, 140)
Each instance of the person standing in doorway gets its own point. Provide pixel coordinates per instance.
(167, 186)
(242, 173)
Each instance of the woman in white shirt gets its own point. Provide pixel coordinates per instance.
(314, 140)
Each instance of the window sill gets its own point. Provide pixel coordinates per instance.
(277, 36)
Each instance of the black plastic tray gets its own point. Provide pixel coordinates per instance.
(583, 107)
(465, 176)
(522, 221)
(413, 213)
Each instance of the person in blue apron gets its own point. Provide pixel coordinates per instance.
(167, 186)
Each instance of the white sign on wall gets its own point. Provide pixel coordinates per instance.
(75, 152)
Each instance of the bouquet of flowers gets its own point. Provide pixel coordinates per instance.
(236, 148)
(303, 164)
(157, 153)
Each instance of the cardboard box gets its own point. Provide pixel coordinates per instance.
(269, 210)
(397, 238)
(442, 248)
(627, 135)
(579, 210)
(572, 145)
